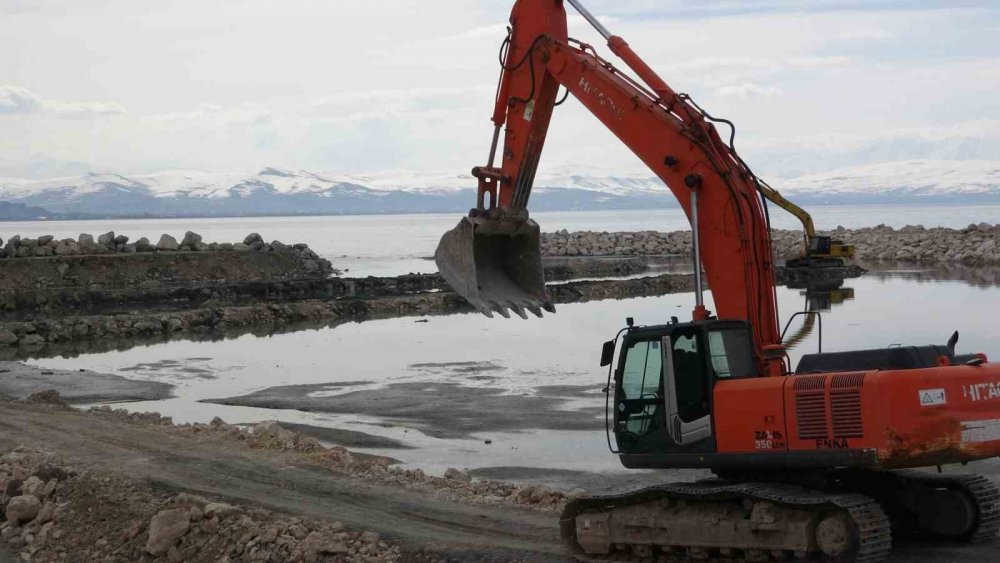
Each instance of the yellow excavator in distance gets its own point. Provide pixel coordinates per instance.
(819, 250)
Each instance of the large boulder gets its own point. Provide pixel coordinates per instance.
(143, 245)
(191, 239)
(168, 243)
(252, 238)
(7, 338)
(86, 238)
(23, 509)
(107, 238)
(166, 528)
(45, 239)
(67, 248)
(12, 244)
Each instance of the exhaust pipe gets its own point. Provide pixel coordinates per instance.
(495, 265)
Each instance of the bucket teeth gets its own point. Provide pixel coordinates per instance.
(499, 308)
(519, 310)
(495, 265)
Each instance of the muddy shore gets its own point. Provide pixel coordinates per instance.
(20, 381)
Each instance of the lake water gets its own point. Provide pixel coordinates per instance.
(886, 308)
(386, 245)
(523, 358)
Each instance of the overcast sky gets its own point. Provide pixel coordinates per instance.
(344, 86)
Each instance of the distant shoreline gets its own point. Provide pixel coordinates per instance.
(806, 202)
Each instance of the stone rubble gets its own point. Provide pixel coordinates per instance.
(87, 516)
(270, 435)
(975, 245)
(111, 243)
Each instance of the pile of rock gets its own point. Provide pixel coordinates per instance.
(53, 513)
(193, 526)
(270, 435)
(591, 243)
(977, 244)
(28, 495)
(110, 243)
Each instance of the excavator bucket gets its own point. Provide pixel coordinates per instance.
(495, 265)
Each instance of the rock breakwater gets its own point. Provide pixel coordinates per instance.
(977, 244)
(111, 243)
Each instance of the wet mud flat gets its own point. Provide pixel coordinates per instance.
(441, 409)
(20, 381)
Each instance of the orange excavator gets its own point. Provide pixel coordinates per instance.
(814, 463)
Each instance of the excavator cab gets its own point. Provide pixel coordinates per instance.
(664, 380)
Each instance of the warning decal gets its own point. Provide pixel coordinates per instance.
(932, 397)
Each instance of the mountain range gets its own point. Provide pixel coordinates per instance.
(273, 191)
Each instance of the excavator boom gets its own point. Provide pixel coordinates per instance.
(666, 130)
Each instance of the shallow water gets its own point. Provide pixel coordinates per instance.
(385, 245)
(518, 357)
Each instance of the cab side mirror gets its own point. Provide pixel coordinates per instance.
(608, 353)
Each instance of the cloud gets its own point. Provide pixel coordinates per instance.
(754, 65)
(14, 101)
(747, 90)
(20, 101)
(499, 30)
(214, 114)
(864, 36)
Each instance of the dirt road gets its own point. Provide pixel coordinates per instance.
(417, 521)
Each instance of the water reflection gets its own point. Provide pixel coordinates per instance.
(979, 276)
(819, 297)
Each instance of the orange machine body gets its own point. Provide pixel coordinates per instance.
(899, 418)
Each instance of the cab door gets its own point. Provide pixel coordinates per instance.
(688, 387)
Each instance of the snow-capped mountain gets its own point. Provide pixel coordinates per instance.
(273, 191)
(916, 180)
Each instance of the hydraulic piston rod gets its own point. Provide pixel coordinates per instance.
(590, 18)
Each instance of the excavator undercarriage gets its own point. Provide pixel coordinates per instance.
(852, 518)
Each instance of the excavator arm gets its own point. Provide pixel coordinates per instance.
(818, 250)
(666, 130)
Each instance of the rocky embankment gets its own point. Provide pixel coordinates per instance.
(973, 246)
(53, 509)
(55, 512)
(115, 297)
(111, 243)
(338, 301)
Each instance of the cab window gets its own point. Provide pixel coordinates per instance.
(729, 350)
(689, 376)
(643, 368)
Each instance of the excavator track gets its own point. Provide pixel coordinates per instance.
(960, 507)
(766, 521)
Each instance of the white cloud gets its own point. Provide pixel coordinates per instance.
(747, 90)
(19, 101)
(871, 35)
(499, 30)
(14, 100)
(214, 115)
